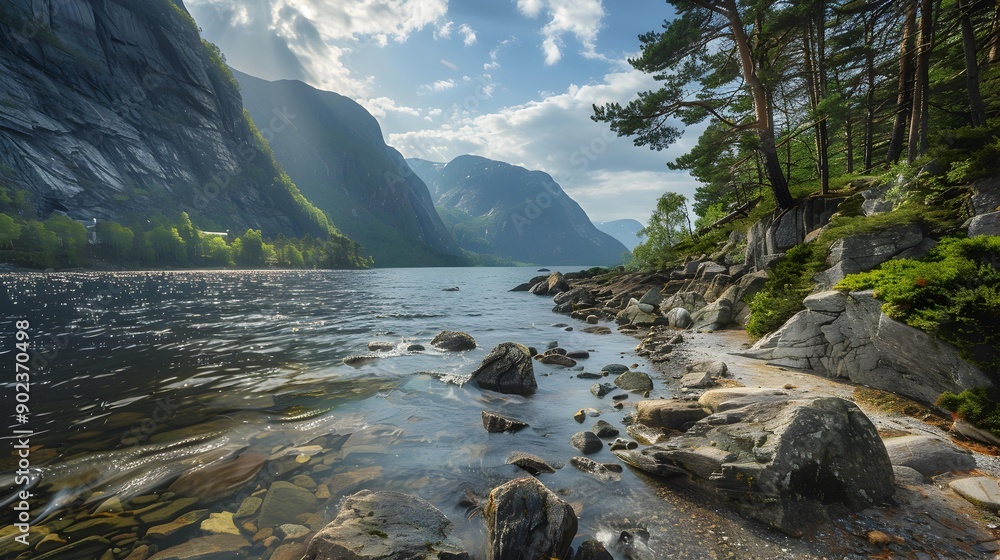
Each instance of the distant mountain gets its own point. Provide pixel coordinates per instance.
(500, 209)
(623, 230)
(334, 151)
(119, 111)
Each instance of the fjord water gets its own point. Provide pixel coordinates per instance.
(146, 375)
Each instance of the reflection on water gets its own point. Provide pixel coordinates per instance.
(154, 388)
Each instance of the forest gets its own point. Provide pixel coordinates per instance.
(797, 98)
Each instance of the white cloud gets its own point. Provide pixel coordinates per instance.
(436, 87)
(449, 64)
(381, 106)
(580, 18)
(468, 35)
(609, 176)
(494, 63)
(323, 33)
(444, 31)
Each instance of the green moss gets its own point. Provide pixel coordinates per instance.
(789, 281)
(953, 293)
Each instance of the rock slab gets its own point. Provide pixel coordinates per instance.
(386, 526)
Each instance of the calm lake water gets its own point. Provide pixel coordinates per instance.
(146, 375)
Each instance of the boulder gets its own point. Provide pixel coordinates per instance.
(908, 476)
(283, 503)
(507, 369)
(614, 369)
(696, 380)
(592, 550)
(652, 298)
(668, 414)
(531, 463)
(586, 442)
(985, 224)
(552, 285)
(600, 390)
(709, 270)
(638, 314)
(578, 354)
(928, 455)
(865, 251)
(634, 381)
(595, 469)
(454, 341)
(526, 520)
(495, 424)
(715, 316)
(381, 346)
(779, 463)
(557, 360)
(679, 317)
(604, 429)
(980, 490)
(386, 525)
(690, 301)
(848, 335)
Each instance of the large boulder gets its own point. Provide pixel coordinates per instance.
(782, 230)
(690, 301)
(554, 284)
(526, 520)
(779, 462)
(386, 526)
(507, 369)
(638, 314)
(634, 381)
(928, 455)
(679, 318)
(454, 341)
(715, 316)
(865, 251)
(847, 335)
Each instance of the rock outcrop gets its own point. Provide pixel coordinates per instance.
(116, 109)
(847, 335)
(524, 519)
(779, 462)
(386, 526)
(769, 238)
(507, 369)
(863, 252)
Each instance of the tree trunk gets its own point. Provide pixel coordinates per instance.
(994, 44)
(977, 109)
(823, 134)
(849, 143)
(870, 77)
(921, 83)
(762, 109)
(905, 85)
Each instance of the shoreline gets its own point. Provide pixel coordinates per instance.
(922, 519)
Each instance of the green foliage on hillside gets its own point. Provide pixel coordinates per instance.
(952, 293)
(975, 406)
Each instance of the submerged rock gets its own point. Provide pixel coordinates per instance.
(557, 360)
(454, 341)
(524, 519)
(381, 346)
(283, 503)
(507, 369)
(595, 469)
(780, 462)
(215, 546)
(386, 526)
(531, 463)
(495, 424)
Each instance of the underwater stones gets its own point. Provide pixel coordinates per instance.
(283, 503)
(533, 464)
(218, 480)
(214, 547)
(386, 526)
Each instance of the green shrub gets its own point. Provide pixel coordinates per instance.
(789, 281)
(953, 293)
(968, 153)
(974, 406)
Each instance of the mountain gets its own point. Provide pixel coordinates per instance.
(119, 111)
(625, 231)
(500, 209)
(334, 151)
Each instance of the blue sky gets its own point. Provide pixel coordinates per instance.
(512, 80)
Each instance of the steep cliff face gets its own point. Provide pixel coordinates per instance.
(334, 151)
(114, 109)
(501, 209)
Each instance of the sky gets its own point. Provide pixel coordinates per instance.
(511, 80)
